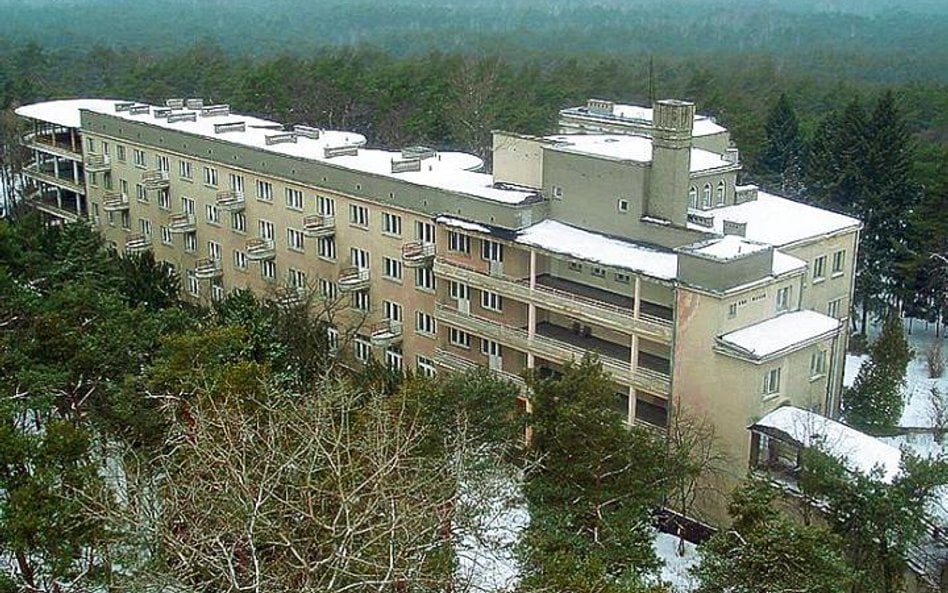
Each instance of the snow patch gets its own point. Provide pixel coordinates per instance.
(677, 568)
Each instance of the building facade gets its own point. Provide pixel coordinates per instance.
(626, 234)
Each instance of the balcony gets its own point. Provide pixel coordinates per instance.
(458, 364)
(230, 200)
(155, 179)
(60, 144)
(319, 225)
(182, 222)
(353, 279)
(98, 163)
(386, 333)
(208, 268)
(260, 249)
(290, 296)
(137, 243)
(417, 254)
(114, 202)
(582, 302)
(47, 174)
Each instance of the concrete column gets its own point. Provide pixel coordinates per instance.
(59, 198)
(78, 205)
(72, 139)
(531, 308)
(56, 167)
(75, 172)
(637, 297)
(633, 363)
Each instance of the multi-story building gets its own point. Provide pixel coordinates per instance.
(627, 234)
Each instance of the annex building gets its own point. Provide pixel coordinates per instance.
(628, 233)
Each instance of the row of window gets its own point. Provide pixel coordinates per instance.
(838, 266)
(706, 196)
(819, 361)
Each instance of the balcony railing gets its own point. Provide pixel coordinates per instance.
(386, 333)
(555, 350)
(46, 176)
(417, 254)
(260, 249)
(230, 200)
(98, 163)
(459, 364)
(608, 315)
(155, 179)
(182, 222)
(137, 243)
(319, 225)
(290, 296)
(114, 202)
(208, 268)
(353, 279)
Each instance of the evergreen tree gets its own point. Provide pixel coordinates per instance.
(766, 551)
(783, 158)
(875, 399)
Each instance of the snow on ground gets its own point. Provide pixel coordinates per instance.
(676, 570)
(853, 364)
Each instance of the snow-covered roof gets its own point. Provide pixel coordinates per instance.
(556, 237)
(784, 264)
(462, 224)
(726, 248)
(449, 171)
(703, 125)
(856, 450)
(781, 221)
(780, 334)
(631, 148)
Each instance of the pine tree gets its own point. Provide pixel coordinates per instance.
(783, 158)
(875, 399)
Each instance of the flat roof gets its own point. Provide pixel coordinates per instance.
(632, 148)
(725, 248)
(780, 334)
(703, 124)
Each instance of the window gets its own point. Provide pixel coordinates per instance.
(783, 299)
(327, 288)
(194, 287)
(598, 272)
(184, 169)
(111, 216)
(818, 364)
(459, 338)
(166, 236)
(460, 291)
(164, 199)
(107, 180)
(575, 266)
(425, 324)
(360, 301)
(264, 191)
(623, 205)
(424, 232)
(772, 382)
(391, 269)
(210, 176)
(719, 195)
(236, 182)
(459, 242)
(90, 144)
(123, 186)
(163, 163)
(623, 278)
(326, 247)
(819, 268)
(187, 205)
(706, 196)
(213, 214)
(214, 250)
(268, 269)
(266, 229)
(217, 290)
(140, 193)
(557, 192)
(332, 338)
(491, 301)
(120, 152)
(391, 224)
(325, 206)
(294, 239)
(839, 262)
(732, 311)
(358, 215)
(426, 366)
(190, 242)
(693, 197)
(359, 258)
(363, 350)
(491, 348)
(238, 222)
(391, 311)
(296, 278)
(294, 199)
(424, 279)
(126, 220)
(95, 213)
(240, 260)
(832, 308)
(93, 178)
(145, 225)
(105, 147)
(394, 359)
(492, 251)
(139, 156)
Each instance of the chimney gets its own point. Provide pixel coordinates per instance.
(669, 178)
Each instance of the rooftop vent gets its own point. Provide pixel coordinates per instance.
(160, 112)
(124, 106)
(307, 132)
(418, 152)
(234, 126)
(600, 106)
(174, 103)
(745, 193)
(334, 151)
(735, 228)
(194, 103)
(405, 165)
(215, 110)
(139, 109)
(186, 116)
(281, 138)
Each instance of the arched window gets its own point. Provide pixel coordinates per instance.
(693, 197)
(706, 196)
(720, 195)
